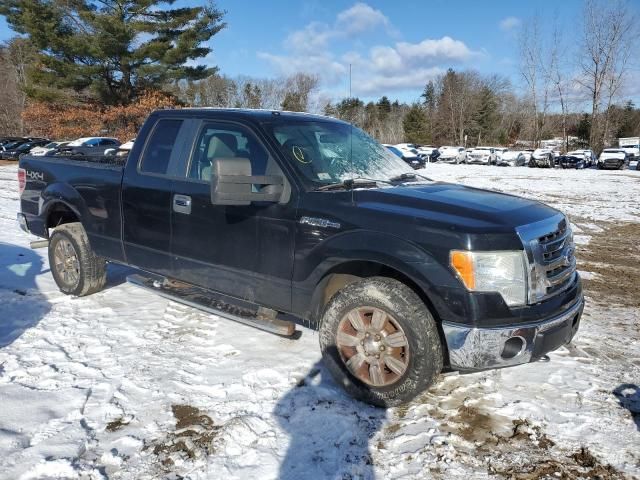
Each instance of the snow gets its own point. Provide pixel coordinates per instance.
(96, 387)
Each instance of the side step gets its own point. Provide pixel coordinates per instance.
(202, 299)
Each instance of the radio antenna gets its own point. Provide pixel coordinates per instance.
(349, 80)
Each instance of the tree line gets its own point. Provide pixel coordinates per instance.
(102, 66)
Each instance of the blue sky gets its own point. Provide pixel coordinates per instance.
(393, 47)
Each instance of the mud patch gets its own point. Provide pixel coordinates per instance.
(613, 257)
(117, 424)
(192, 439)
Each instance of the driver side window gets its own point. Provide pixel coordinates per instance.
(225, 141)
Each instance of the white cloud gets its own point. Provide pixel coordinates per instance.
(398, 66)
(510, 23)
(360, 18)
(445, 48)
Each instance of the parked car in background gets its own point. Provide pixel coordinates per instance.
(408, 155)
(482, 156)
(613, 158)
(590, 158)
(91, 146)
(47, 149)
(7, 140)
(511, 158)
(571, 160)
(121, 151)
(21, 148)
(429, 152)
(542, 158)
(527, 155)
(631, 145)
(499, 152)
(452, 155)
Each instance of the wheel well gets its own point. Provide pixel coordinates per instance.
(349, 272)
(60, 214)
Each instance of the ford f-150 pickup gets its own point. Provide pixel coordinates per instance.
(279, 218)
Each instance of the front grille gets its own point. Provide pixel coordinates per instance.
(558, 258)
(551, 254)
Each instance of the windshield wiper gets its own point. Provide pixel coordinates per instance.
(349, 184)
(408, 177)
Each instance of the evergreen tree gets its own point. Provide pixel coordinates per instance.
(486, 116)
(416, 127)
(429, 96)
(113, 48)
(583, 129)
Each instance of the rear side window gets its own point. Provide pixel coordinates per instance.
(159, 147)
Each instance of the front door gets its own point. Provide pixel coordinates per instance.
(242, 251)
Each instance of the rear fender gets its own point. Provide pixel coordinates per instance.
(57, 194)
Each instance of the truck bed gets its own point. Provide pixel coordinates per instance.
(90, 187)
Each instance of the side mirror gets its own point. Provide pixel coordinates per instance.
(231, 183)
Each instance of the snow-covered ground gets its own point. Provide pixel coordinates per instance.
(124, 384)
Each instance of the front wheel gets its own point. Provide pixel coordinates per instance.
(380, 341)
(75, 268)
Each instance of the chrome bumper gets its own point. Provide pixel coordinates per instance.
(484, 348)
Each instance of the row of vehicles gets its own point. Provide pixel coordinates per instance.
(417, 156)
(12, 148)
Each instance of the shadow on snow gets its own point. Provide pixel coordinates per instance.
(329, 432)
(22, 305)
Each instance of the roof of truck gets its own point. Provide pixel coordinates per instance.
(256, 114)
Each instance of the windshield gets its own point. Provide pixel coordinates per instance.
(327, 152)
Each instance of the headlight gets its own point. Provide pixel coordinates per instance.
(503, 272)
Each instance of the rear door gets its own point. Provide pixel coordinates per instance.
(242, 251)
(147, 195)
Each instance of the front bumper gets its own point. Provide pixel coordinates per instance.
(472, 348)
(479, 161)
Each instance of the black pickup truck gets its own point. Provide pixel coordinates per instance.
(296, 218)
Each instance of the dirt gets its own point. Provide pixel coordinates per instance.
(612, 255)
(7, 162)
(193, 436)
(116, 424)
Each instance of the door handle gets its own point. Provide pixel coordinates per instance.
(182, 204)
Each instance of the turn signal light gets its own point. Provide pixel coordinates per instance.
(462, 263)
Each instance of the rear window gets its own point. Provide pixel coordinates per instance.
(159, 147)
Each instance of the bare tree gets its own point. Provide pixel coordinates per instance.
(298, 89)
(532, 69)
(608, 36)
(557, 74)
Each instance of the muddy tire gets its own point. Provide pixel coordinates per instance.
(380, 341)
(75, 268)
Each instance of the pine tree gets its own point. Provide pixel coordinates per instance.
(113, 49)
(486, 116)
(416, 127)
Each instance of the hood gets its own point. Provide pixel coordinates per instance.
(612, 155)
(455, 207)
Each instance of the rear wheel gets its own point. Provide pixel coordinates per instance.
(75, 268)
(380, 342)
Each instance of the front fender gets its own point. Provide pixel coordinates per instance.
(315, 262)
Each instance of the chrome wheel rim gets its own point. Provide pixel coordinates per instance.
(66, 262)
(373, 346)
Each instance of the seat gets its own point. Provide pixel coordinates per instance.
(221, 145)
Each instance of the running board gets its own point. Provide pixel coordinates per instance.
(202, 299)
